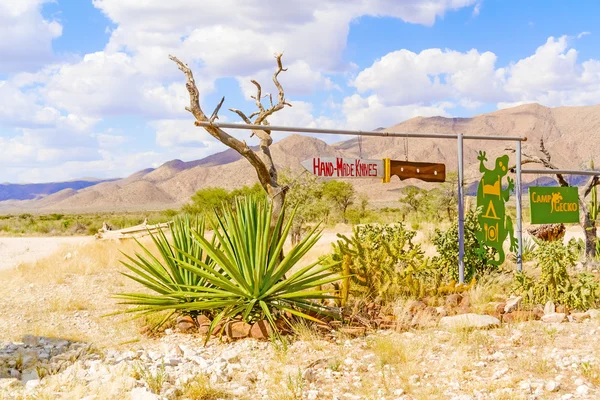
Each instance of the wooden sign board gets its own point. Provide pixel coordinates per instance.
(553, 205)
(340, 167)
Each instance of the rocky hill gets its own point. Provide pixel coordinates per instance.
(571, 134)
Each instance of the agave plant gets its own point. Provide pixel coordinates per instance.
(242, 272)
(164, 274)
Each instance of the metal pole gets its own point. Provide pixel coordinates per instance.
(276, 128)
(559, 171)
(461, 213)
(519, 210)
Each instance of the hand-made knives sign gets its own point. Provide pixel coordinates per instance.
(339, 167)
(494, 224)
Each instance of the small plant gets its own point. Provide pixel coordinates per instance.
(477, 263)
(241, 272)
(155, 381)
(382, 262)
(555, 259)
(199, 388)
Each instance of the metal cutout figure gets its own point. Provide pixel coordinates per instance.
(494, 224)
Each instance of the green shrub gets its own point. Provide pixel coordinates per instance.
(384, 261)
(476, 262)
(239, 273)
(555, 284)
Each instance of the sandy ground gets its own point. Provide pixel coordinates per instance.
(17, 250)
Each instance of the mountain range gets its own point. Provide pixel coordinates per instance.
(571, 135)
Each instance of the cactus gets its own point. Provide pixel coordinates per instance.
(594, 207)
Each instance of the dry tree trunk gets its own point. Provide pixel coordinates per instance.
(263, 161)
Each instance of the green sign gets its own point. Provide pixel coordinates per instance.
(494, 224)
(551, 205)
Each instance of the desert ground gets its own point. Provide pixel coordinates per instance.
(58, 341)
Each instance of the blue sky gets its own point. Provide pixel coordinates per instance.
(86, 87)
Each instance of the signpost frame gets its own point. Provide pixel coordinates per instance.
(459, 137)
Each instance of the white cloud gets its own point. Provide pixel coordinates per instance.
(582, 34)
(103, 85)
(370, 113)
(26, 36)
(403, 77)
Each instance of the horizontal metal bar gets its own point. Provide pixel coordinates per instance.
(229, 125)
(559, 171)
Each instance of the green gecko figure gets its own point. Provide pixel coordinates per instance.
(494, 224)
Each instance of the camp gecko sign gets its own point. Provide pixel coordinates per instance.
(340, 167)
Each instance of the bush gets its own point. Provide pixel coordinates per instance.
(238, 273)
(555, 284)
(477, 262)
(384, 262)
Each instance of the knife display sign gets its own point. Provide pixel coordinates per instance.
(340, 167)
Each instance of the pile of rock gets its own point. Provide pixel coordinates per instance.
(233, 330)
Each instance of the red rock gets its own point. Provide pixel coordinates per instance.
(261, 330)
(560, 309)
(185, 323)
(237, 330)
(500, 308)
(538, 311)
(416, 306)
(453, 300)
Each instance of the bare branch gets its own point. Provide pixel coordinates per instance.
(241, 147)
(543, 150)
(242, 115)
(594, 181)
(258, 95)
(262, 116)
(215, 114)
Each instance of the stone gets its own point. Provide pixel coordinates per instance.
(500, 308)
(32, 384)
(415, 306)
(580, 316)
(143, 394)
(549, 308)
(237, 330)
(30, 340)
(469, 321)
(203, 320)
(554, 317)
(594, 314)
(261, 330)
(560, 309)
(309, 375)
(538, 311)
(453, 300)
(185, 323)
(552, 386)
(582, 390)
(512, 304)
(441, 311)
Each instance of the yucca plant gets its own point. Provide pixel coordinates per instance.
(164, 274)
(242, 273)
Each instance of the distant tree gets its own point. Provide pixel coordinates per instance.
(305, 193)
(254, 190)
(413, 198)
(341, 194)
(206, 200)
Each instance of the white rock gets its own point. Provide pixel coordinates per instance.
(512, 304)
(398, 392)
(583, 390)
(549, 308)
(32, 384)
(594, 314)
(312, 394)
(231, 355)
(567, 396)
(143, 394)
(552, 386)
(554, 317)
(469, 321)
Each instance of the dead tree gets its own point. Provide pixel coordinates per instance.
(262, 161)
(588, 224)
